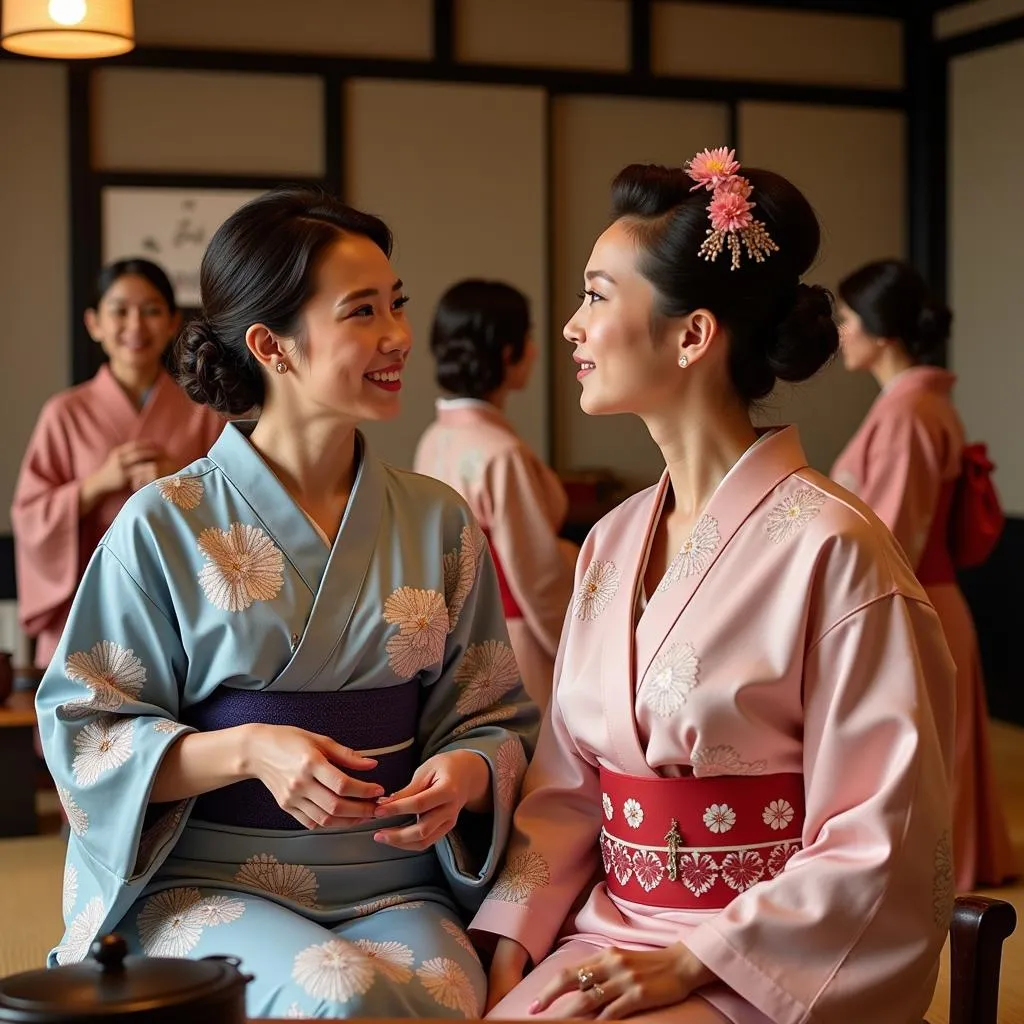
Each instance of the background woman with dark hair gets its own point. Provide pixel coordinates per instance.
(905, 462)
(284, 717)
(97, 443)
(481, 342)
(751, 725)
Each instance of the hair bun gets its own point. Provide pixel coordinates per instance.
(933, 326)
(807, 338)
(209, 373)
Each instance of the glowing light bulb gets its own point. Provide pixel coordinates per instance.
(67, 12)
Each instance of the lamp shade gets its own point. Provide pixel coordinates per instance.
(66, 29)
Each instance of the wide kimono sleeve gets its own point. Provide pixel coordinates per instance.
(852, 928)
(538, 571)
(107, 707)
(902, 479)
(477, 703)
(46, 523)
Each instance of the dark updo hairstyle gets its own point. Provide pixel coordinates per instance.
(893, 301)
(260, 268)
(778, 327)
(135, 267)
(475, 322)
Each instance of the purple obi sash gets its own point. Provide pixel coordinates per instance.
(378, 723)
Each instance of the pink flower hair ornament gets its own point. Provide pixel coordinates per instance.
(732, 223)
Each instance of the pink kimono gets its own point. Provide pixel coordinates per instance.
(75, 432)
(757, 761)
(521, 505)
(904, 462)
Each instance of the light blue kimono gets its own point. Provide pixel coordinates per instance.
(212, 596)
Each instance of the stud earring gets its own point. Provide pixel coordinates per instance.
(684, 359)
(282, 367)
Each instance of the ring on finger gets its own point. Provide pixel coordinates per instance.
(597, 994)
(585, 977)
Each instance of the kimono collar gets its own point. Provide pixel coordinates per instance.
(921, 378)
(241, 463)
(117, 402)
(455, 411)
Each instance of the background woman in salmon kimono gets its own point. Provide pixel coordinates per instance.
(481, 342)
(905, 462)
(284, 718)
(751, 726)
(98, 442)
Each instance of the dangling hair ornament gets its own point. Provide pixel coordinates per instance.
(729, 209)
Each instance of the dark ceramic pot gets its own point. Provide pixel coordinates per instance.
(110, 985)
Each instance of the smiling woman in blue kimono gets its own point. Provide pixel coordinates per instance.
(284, 718)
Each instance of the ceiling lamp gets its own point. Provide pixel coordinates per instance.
(66, 29)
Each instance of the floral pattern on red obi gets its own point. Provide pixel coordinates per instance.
(689, 843)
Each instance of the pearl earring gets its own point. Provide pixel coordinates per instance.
(684, 359)
(282, 367)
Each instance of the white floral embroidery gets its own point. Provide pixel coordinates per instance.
(598, 587)
(778, 814)
(779, 857)
(100, 747)
(162, 830)
(606, 803)
(295, 1013)
(511, 765)
(422, 620)
(696, 553)
(78, 820)
(943, 889)
(184, 491)
(81, 932)
(334, 970)
(70, 889)
(485, 674)
(723, 760)
(622, 862)
(719, 818)
(793, 513)
(698, 872)
(172, 922)
(211, 911)
(243, 565)
(449, 985)
(606, 851)
(648, 869)
(742, 869)
(673, 674)
(499, 714)
(112, 674)
(292, 882)
(460, 567)
(457, 934)
(633, 813)
(524, 874)
(388, 903)
(393, 960)
(167, 726)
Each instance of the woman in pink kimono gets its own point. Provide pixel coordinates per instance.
(481, 341)
(97, 443)
(905, 462)
(739, 805)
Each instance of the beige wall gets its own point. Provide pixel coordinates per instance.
(34, 264)
(986, 227)
(832, 155)
(967, 16)
(458, 173)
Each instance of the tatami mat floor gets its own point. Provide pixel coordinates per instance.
(31, 870)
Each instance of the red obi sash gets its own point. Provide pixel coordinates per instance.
(694, 844)
(508, 602)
